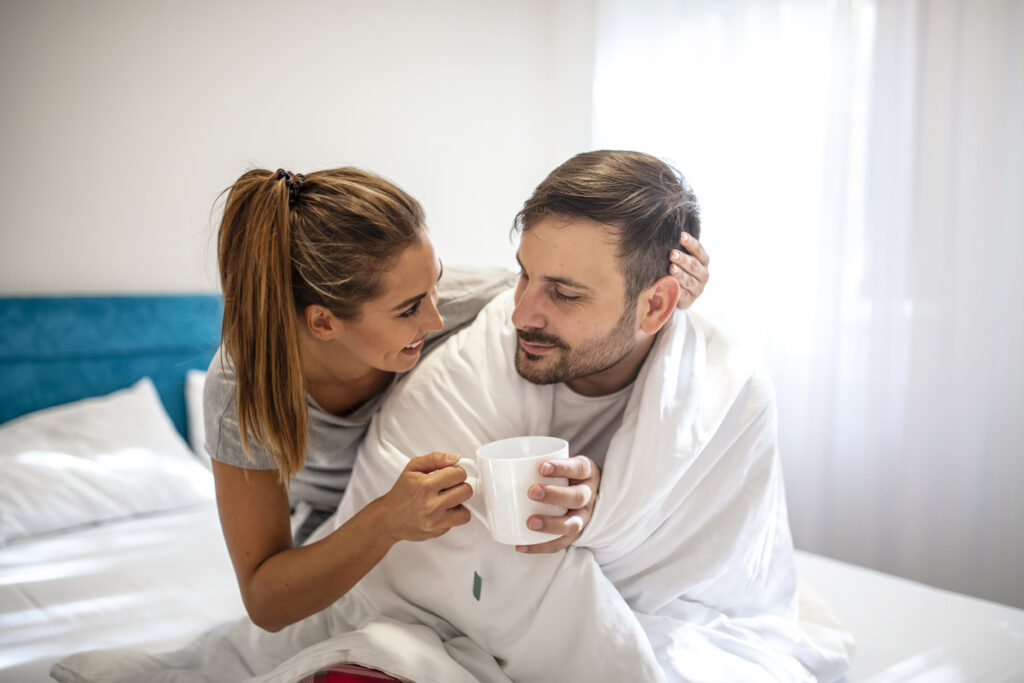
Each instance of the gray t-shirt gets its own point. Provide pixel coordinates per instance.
(588, 422)
(333, 440)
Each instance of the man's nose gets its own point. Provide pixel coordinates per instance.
(527, 312)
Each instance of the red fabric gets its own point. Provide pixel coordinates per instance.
(350, 673)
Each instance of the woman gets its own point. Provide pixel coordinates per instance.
(330, 292)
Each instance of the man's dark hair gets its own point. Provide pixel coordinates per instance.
(648, 201)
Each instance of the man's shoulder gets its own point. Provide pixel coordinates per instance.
(730, 360)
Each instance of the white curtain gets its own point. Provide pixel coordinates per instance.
(860, 167)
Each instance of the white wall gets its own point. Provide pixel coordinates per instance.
(123, 120)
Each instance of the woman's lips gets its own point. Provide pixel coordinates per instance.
(413, 349)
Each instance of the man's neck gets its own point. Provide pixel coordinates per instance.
(617, 376)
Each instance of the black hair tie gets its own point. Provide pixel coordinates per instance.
(294, 183)
(294, 187)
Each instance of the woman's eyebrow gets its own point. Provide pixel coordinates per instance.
(409, 302)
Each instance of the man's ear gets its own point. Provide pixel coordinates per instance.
(656, 304)
(321, 323)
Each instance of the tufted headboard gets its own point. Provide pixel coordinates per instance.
(54, 350)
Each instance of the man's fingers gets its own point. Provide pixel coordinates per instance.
(549, 547)
(578, 467)
(573, 497)
(568, 527)
(569, 524)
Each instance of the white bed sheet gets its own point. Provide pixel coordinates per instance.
(151, 583)
(907, 631)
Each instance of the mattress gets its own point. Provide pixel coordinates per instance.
(150, 582)
(907, 631)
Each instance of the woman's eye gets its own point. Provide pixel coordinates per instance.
(411, 311)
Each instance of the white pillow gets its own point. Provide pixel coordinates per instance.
(195, 380)
(95, 460)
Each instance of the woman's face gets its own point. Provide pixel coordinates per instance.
(389, 332)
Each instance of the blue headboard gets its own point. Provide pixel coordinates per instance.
(59, 349)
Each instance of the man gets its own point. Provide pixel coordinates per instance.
(694, 576)
(582, 323)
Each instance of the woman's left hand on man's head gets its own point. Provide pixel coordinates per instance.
(689, 266)
(579, 497)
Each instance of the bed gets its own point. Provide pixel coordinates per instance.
(110, 535)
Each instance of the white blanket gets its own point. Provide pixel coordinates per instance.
(690, 525)
(684, 573)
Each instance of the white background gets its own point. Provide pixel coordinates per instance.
(122, 121)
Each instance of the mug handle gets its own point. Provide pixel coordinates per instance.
(473, 479)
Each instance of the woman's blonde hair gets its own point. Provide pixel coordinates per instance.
(287, 242)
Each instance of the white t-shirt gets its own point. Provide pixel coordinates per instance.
(588, 422)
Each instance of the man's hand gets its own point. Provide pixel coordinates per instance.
(690, 267)
(579, 496)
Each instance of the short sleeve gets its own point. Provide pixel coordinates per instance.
(220, 417)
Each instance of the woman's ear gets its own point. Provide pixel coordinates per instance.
(657, 303)
(321, 323)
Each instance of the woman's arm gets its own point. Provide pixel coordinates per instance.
(281, 584)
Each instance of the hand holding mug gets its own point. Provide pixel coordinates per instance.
(579, 496)
(502, 476)
(426, 500)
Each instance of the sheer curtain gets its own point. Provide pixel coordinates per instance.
(860, 167)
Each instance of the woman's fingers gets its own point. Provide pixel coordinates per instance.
(696, 249)
(689, 266)
(430, 462)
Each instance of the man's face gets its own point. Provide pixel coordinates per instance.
(571, 315)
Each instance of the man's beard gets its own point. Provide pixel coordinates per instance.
(591, 357)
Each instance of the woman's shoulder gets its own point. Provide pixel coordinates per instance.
(220, 418)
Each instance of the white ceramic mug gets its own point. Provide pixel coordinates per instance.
(501, 478)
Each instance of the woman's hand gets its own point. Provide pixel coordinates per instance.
(690, 267)
(426, 500)
(281, 584)
(579, 496)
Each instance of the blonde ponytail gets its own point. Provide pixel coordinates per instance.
(285, 244)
